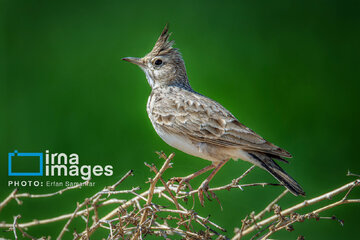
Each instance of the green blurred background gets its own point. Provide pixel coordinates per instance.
(287, 69)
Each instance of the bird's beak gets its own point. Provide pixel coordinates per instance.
(137, 61)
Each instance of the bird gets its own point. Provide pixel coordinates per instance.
(198, 125)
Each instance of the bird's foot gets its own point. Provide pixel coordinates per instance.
(204, 187)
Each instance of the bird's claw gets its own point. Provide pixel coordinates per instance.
(204, 187)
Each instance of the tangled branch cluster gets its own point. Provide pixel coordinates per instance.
(141, 215)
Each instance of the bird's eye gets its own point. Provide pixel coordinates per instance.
(158, 62)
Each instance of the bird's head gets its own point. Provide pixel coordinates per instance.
(164, 64)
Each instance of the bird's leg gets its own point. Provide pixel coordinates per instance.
(186, 179)
(205, 184)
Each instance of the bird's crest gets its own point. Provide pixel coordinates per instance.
(163, 45)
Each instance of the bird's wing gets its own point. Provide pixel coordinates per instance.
(204, 120)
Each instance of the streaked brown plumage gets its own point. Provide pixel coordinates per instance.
(198, 125)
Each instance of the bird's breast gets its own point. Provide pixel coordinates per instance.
(184, 144)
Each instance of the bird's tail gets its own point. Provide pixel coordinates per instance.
(267, 163)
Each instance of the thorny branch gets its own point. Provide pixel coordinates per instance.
(151, 193)
(279, 220)
(140, 215)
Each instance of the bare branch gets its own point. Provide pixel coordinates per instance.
(139, 215)
(306, 203)
(269, 207)
(14, 225)
(129, 173)
(151, 192)
(352, 174)
(8, 199)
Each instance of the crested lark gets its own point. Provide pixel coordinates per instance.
(199, 126)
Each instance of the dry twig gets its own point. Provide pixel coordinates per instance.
(313, 214)
(141, 216)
